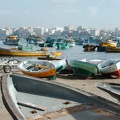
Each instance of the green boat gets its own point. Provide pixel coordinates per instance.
(43, 44)
(62, 44)
(82, 68)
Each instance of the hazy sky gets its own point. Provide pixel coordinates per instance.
(100, 14)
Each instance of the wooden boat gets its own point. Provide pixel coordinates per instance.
(108, 43)
(112, 49)
(89, 47)
(33, 39)
(110, 67)
(12, 40)
(59, 64)
(29, 98)
(50, 42)
(56, 53)
(16, 52)
(71, 41)
(83, 68)
(43, 44)
(112, 88)
(38, 68)
(62, 44)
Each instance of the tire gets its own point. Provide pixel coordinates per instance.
(7, 68)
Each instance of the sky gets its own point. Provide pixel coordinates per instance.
(99, 14)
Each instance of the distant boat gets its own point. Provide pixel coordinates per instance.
(106, 43)
(12, 40)
(89, 48)
(30, 98)
(51, 42)
(34, 39)
(71, 41)
(62, 44)
(112, 49)
(110, 67)
(83, 68)
(38, 68)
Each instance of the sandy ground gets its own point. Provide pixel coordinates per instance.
(87, 85)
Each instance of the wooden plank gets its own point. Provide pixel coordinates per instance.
(31, 105)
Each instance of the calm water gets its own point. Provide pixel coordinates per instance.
(71, 53)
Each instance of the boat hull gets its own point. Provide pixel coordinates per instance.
(10, 52)
(84, 69)
(113, 49)
(47, 69)
(41, 99)
(112, 88)
(59, 64)
(109, 67)
(62, 46)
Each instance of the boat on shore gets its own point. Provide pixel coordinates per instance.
(111, 88)
(110, 67)
(83, 68)
(38, 68)
(60, 64)
(29, 98)
(16, 52)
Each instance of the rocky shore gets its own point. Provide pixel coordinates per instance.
(84, 85)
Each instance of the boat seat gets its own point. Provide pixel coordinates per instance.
(29, 67)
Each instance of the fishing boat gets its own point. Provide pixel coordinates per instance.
(71, 41)
(38, 68)
(112, 88)
(56, 53)
(108, 42)
(112, 49)
(83, 68)
(12, 40)
(50, 42)
(34, 39)
(16, 52)
(110, 67)
(62, 44)
(89, 47)
(29, 98)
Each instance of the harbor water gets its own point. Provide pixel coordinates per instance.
(72, 53)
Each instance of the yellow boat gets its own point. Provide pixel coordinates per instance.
(56, 53)
(13, 37)
(16, 52)
(112, 49)
(38, 68)
(108, 43)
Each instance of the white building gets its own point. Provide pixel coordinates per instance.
(94, 32)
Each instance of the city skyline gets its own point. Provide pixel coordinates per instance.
(100, 14)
